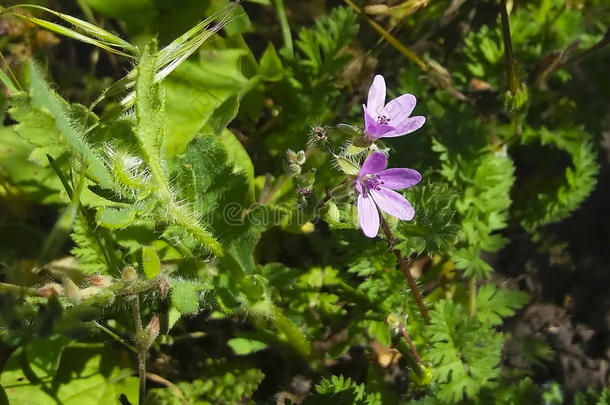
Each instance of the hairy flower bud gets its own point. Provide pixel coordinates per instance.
(163, 285)
(152, 329)
(129, 274)
(71, 291)
(300, 157)
(51, 289)
(97, 280)
(293, 169)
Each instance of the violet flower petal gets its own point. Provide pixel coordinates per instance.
(393, 203)
(373, 129)
(376, 162)
(410, 125)
(368, 216)
(376, 99)
(399, 178)
(399, 109)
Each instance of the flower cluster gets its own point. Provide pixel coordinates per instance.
(375, 183)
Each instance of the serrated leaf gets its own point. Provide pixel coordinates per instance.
(494, 303)
(380, 331)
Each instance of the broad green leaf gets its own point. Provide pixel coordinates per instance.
(86, 374)
(150, 262)
(115, 218)
(185, 295)
(38, 183)
(197, 89)
(243, 347)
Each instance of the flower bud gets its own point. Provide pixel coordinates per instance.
(71, 291)
(152, 329)
(300, 157)
(293, 169)
(163, 285)
(89, 292)
(129, 274)
(97, 280)
(50, 290)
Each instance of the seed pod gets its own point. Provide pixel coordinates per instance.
(152, 329)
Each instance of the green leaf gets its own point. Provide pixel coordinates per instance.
(465, 354)
(196, 90)
(38, 183)
(494, 303)
(434, 228)
(115, 218)
(72, 131)
(243, 347)
(86, 374)
(270, 65)
(150, 262)
(380, 331)
(553, 198)
(185, 295)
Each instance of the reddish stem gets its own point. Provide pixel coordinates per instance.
(404, 267)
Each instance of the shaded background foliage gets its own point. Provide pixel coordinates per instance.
(509, 244)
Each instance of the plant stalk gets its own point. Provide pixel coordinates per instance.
(389, 37)
(511, 71)
(472, 291)
(284, 26)
(140, 346)
(404, 333)
(404, 267)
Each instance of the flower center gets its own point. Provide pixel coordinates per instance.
(371, 182)
(383, 120)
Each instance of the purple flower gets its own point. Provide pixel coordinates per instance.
(391, 119)
(375, 186)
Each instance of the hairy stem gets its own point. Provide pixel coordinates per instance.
(268, 197)
(18, 290)
(404, 333)
(405, 268)
(115, 336)
(140, 346)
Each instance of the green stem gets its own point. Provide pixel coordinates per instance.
(284, 26)
(511, 71)
(18, 290)
(115, 336)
